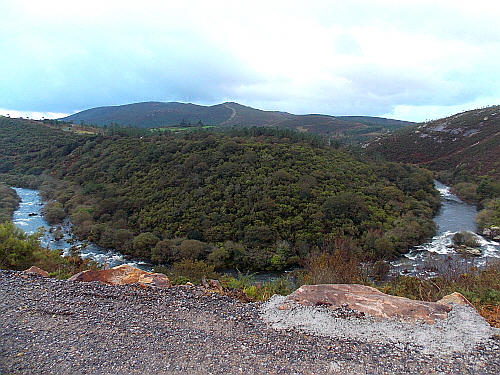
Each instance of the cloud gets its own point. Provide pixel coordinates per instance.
(32, 115)
(357, 57)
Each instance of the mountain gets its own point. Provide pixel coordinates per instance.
(468, 141)
(152, 114)
(157, 114)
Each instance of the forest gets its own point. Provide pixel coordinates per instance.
(250, 198)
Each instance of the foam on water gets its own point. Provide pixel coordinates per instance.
(454, 216)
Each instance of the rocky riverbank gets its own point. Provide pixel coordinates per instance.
(61, 327)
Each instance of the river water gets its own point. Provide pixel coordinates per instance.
(29, 218)
(424, 260)
(436, 256)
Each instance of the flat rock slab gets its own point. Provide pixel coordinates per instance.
(121, 275)
(367, 300)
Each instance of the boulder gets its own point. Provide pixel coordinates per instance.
(492, 233)
(368, 301)
(156, 279)
(466, 250)
(121, 275)
(455, 298)
(38, 271)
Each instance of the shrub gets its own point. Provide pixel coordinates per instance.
(192, 270)
(54, 213)
(335, 268)
(144, 243)
(259, 291)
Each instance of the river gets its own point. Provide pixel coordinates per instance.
(428, 259)
(29, 218)
(436, 256)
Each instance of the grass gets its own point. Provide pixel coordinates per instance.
(259, 291)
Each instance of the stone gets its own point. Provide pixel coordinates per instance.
(38, 271)
(366, 300)
(455, 298)
(466, 250)
(492, 233)
(212, 285)
(156, 279)
(123, 274)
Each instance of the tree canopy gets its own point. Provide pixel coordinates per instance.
(251, 198)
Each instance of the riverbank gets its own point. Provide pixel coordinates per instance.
(29, 218)
(60, 327)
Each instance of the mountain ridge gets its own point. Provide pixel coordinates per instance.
(468, 141)
(160, 114)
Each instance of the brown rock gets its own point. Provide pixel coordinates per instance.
(38, 271)
(156, 279)
(121, 275)
(367, 300)
(455, 298)
(212, 285)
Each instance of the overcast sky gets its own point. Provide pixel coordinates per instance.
(410, 60)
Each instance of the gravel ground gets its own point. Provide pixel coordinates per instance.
(56, 327)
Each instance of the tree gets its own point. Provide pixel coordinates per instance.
(123, 240)
(144, 243)
(17, 249)
(54, 213)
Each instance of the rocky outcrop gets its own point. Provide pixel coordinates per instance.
(492, 233)
(467, 250)
(123, 274)
(368, 301)
(38, 271)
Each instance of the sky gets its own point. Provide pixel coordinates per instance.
(408, 60)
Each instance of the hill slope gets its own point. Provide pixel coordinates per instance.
(469, 141)
(156, 114)
(152, 114)
(262, 199)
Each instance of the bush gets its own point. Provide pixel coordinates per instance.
(259, 291)
(335, 268)
(54, 213)
(17, 249)
(192, 270)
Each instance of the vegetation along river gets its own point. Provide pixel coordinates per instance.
(454, 216)
(29, 218)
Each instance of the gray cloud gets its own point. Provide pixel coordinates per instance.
(380, 57)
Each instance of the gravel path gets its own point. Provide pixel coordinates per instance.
(56, 327)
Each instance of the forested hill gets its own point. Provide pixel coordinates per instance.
(156, 114)
(251, 198)
(467, 142)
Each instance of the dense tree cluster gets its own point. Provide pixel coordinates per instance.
(9, 202)
(251, 198)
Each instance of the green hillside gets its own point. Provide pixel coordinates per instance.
(152, 115)
(251, 198)
(156, 114)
